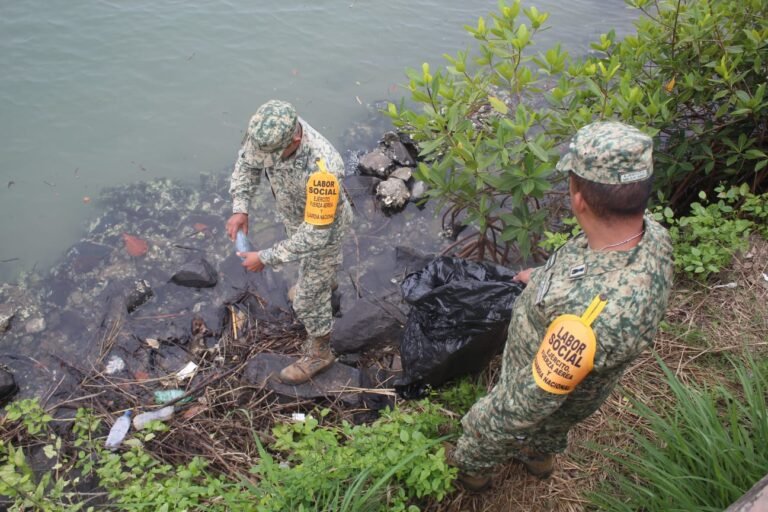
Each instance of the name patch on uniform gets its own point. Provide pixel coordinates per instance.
(322, 197)
(577, 271)
(629, 177)
(567, 353)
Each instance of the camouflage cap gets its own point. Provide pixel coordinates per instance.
(269, 132)
(609, 152)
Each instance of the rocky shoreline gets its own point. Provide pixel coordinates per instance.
(125, 299)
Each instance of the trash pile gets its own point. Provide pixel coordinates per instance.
(152, 316)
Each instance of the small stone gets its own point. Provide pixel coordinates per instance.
(76, 298)
(375, 163)
(8, 386)
(139, 295)
(196, 274)
(7, 312)
(86, 256)
(393, 193)
(397, 150)
(402, 173)
(35, 325)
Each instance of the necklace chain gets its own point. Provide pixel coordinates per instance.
(623, 241)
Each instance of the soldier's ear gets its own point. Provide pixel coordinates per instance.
(578, 204)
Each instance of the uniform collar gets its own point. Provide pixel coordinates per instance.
(598, 262)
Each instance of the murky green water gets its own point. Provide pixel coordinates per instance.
(95, 94)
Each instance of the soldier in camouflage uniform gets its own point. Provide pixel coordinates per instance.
(290, 151)
(612, 280)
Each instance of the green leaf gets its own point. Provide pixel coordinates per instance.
(537, 150)
(498, 105)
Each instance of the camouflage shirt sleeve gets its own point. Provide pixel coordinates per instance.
(305, 241)
(245, 179)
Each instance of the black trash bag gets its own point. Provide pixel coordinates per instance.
(458, 321)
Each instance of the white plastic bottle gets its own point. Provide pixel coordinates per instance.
(118, 431)
(142, 419)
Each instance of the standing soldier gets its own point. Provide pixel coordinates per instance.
(583, 317)
(305, 173)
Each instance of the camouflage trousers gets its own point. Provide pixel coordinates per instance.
(486, 443)
(312, 303)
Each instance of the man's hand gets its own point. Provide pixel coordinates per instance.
(523, 276)
(252, 261)
(235, 222)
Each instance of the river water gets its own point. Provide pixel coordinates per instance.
(97, 93)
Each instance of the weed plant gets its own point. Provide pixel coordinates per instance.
(384, 466)
(389, 465)
(705, 241)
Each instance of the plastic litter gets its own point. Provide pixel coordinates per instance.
(114, 365)
(458, 320)
(298, 416)
(166, 395)
(726, 285)
(187, 371)
(118, 431)
(141, 420)
(242, 244)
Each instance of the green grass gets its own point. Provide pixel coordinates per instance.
(705, 452)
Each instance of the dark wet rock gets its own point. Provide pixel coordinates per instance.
(7, 312)
(393, 193)
(408, 259)
(169, 360)
(397, 150)
(8, 386)
(264, 369)
(86, 256)
(138, 295)
(59, 289)
(369, 324)
(169, 328)
(196, 274)
(376, 163)
(70, 324)
(402, 173)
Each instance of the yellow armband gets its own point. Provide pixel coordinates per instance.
(567, 353)
(322, 197)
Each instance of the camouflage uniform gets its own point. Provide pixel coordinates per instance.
(518, 419)
(318, 250)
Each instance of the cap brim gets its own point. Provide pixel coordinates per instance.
(258, 158)
(565, 163)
